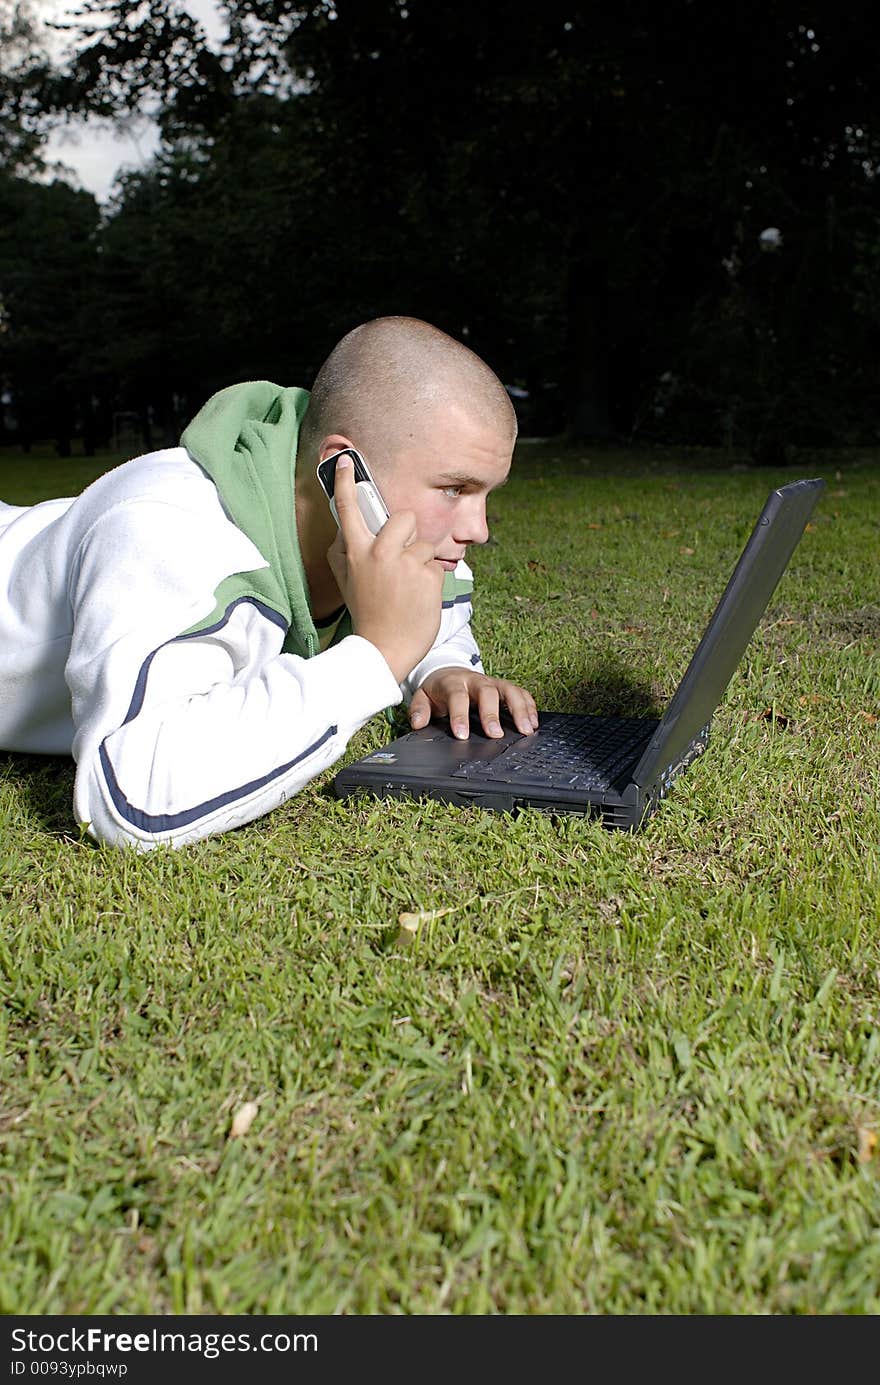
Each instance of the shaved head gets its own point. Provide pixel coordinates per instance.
(385, 382)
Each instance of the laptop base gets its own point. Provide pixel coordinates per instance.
(428, 764)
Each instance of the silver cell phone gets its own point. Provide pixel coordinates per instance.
(370, 502)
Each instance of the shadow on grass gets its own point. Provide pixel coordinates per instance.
(607, 687)
(44, 785)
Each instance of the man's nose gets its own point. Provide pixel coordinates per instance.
(472, 525)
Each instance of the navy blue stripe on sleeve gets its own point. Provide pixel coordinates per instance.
(140, 686)
(166, 822)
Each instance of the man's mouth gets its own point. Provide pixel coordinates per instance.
(448, 564)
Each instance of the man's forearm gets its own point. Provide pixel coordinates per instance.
(198, 764)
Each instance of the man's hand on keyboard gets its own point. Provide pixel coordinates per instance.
(451, 691)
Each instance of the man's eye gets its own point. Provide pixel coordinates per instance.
(453, 491)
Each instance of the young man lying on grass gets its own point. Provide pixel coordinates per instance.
(195, 630)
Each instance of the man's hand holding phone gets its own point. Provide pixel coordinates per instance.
(390, 583)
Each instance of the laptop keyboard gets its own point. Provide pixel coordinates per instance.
(570, 752)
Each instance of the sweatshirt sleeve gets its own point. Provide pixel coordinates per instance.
(178, 737)
(455, 646)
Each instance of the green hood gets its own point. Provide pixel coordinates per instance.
(245, 438)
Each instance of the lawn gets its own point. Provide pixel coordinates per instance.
(385, 1058)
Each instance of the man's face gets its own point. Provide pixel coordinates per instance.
(444, 476)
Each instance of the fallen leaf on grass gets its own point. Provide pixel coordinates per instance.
(684, 549)
(410, 922)
(778, 718)
(413, 920)
(407, 932)
(243, 1119)
(867, 1144)
(869, 717)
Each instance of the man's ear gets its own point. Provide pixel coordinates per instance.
(333, 442)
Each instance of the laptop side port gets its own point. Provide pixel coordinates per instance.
(696, 748)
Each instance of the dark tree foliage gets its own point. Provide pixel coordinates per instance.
(23, 68)
(47, 310)
(588, 194)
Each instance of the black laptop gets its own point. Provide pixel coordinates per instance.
(615, 767)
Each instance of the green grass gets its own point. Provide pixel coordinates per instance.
(609, 1074)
